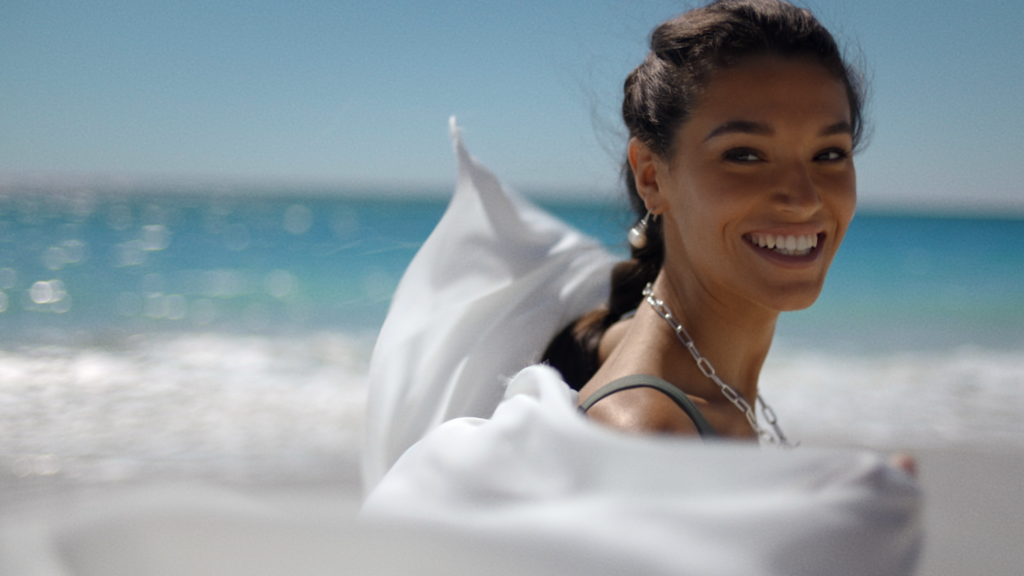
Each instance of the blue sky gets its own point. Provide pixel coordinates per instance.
(358, 94)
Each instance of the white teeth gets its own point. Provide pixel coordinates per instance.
(788, 245)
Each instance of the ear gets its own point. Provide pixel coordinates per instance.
(646, 166)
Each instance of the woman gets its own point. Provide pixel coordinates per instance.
(743, 121)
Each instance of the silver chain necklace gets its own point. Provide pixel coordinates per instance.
(705, 366)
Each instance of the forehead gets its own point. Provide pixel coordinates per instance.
(781, 92)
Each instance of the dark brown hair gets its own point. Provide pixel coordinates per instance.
(659, 96)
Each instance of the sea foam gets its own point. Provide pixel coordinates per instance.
(225, 406)
(963, 397)
(290, 408)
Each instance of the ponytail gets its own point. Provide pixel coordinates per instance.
(574, 351)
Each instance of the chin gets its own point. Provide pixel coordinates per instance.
(792, 300)
(796, 307)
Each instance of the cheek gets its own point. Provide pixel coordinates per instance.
(706, 206)
(843, 201)
(707, 223)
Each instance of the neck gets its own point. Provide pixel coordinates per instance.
(734, 336)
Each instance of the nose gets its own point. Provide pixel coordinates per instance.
(796, 191)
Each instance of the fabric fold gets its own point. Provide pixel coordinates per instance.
(540, 474)
(489, 288)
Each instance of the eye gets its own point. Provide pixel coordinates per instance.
(832, 155)
(742, 155)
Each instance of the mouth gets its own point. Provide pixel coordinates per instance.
(785, 245)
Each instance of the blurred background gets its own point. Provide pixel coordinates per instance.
(205, 208)
(354, 96)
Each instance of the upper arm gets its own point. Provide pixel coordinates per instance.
(642, 410)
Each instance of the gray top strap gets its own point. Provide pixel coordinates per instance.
(647, 381)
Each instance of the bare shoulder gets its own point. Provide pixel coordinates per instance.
(643, 411)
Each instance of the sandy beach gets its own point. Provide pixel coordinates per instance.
(973, 515)
(973, 512)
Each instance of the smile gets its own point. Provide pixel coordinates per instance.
(791, 245)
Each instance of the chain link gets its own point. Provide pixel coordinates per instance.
(708, 370)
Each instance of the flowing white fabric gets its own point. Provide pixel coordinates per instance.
(487, 291)
(539, 474)
(519, 465)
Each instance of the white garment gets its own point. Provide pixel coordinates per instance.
(494, 282)
(491, 286)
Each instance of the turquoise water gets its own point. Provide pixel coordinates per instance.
(88, 266)
(921, 283)
(228, 335)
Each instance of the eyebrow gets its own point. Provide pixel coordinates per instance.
(762, 129)
(741, 127)
(838, 128)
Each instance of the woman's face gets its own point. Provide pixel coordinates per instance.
(761, 187)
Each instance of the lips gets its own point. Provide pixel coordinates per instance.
(787, 245)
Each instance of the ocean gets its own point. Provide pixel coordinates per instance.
(225, 335)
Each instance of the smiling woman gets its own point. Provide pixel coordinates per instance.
(782, 172)
(743, 122)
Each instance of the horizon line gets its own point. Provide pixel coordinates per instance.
(14, 182)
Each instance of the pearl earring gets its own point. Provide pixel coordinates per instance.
(638, 234)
